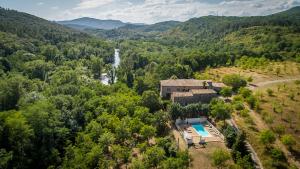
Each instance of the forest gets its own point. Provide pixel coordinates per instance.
(55, 113)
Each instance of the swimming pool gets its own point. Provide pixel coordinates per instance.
(200, 130)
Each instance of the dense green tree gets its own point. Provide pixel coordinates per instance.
(19, 135)
(230, 135)
(221, 111)
(139, 85)
(5, 158)
(12, 88)
(106, 139)
(50, 52)
(148, 132)
(111, 73)
(161, 120)
(151, 100)
(50, 133)
(176, 111)
(96, 66)
(235, 81)
(154, 156)
(129, 79)
(38, 69)
(245, 162)
(239, 149)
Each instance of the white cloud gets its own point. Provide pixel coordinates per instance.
(151, 11)
(90, 4)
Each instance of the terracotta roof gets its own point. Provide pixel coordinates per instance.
(183, 82)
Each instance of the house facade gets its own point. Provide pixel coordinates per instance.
(187, 91)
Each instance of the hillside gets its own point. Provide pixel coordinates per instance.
(208, 32)
(198, 31)
(24, 33)
(28, 26)
(92, 23)
(132, 31)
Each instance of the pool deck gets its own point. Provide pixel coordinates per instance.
(196, 137)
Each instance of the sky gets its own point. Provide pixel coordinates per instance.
(146, 11)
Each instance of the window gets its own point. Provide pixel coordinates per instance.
(168, 89)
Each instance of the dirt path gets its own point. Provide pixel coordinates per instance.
(254, 86)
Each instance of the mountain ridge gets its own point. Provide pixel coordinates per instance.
(93, 23)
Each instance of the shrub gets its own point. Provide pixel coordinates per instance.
(270, 92)
(288, 140)
(279, 129)
(245, 92)
(267, 137)
(252, 101)
(235, 81)
(238, 106)
(226, 92)
(238, 98)
(277, 154)
(244, 113)
(220, 157)
(245, 162)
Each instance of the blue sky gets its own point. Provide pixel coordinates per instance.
(146, 11)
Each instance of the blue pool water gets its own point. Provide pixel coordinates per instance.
(200, 130)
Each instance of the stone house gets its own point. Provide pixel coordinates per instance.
(186, 91)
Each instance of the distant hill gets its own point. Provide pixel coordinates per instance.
(157, 27)
(134, 31)
(28, 26)
(22, 31)
(207, 29)
(92, 23)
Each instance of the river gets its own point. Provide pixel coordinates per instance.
(104, 78)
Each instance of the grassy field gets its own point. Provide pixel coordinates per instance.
(270, 71)
(281, 111)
